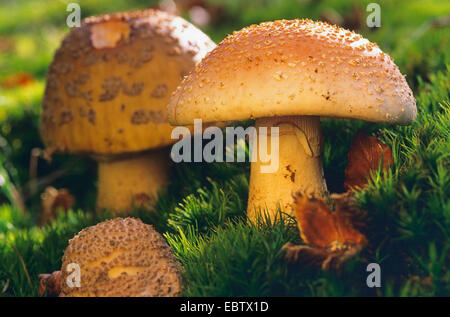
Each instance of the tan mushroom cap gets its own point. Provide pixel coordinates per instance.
(121, 257)
(297, 67)
(110, 81)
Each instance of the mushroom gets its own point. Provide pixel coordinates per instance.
(287, 74)
(106, 95)
(122, 257)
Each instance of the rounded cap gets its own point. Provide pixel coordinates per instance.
(110, 82)
(297, 67)
(121, 257)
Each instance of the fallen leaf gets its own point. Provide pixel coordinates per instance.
(306, 256)
(17, 80)
(332, 235)
(321, 227)
(364, 157)
(51, 201)
(50, 284)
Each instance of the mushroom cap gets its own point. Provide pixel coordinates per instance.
(292, 68)
(121, 257)
(110, 82)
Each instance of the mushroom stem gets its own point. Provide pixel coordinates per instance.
(131, 182)
(299, 165)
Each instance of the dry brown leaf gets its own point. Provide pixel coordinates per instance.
(51, 201)
(321, 227)
(332, 236)
(17, 80)
(364, 157)
(50, 284)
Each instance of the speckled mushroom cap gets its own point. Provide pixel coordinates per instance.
(121, 257)
(110, 81)
(297, 67)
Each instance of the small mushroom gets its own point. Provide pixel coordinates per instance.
(107, 93)
(288, 74)
(122, 257)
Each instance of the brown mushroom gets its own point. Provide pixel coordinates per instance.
(287, 74)
(106, 95)
(122, 257)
